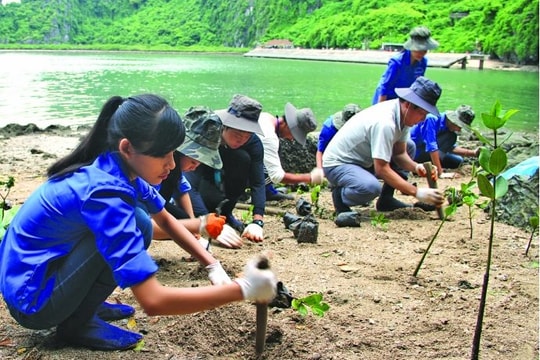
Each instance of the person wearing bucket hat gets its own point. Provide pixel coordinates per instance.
(374, 144)
(407, 65)
(242, 153)
(331, 126)
(436, 138)
(294, 125)
(203, 135)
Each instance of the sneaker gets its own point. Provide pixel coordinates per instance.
(390, 204)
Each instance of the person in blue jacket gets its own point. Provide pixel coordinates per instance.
(436, 138)
(81, 234)
(405, 67)
(331, 126)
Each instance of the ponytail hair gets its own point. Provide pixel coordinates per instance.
(150, 124)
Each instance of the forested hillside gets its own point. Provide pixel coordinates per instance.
(504, 29)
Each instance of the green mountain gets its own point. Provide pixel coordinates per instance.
(507, 30)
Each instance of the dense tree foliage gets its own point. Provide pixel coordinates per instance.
(504, 29)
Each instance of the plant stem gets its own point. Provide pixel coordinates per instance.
(479, 321)
(530, 240)
(429, 246)
(470, 222)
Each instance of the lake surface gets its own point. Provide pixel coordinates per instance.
(69, 88)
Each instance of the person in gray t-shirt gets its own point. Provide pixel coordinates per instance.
(375, 144)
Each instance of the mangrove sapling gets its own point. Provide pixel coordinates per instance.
(7, 211)
(493, 161)
(447, 212)
(379, 220)
(313, 302)
(533, 223)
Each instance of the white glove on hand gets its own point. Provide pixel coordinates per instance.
(253, 232)
(259, 285)
(229, 238)
(317, 176)
(217, 275)
(420, 170)
(430, 196)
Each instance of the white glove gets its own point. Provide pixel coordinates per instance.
(229, 238)
(430, 196)
(253, 232)
(420, 170)
(259, 285)
(217, 275)
(317, 176)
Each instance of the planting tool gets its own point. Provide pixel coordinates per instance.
(432, 183)
(262, 314)
(219, 207)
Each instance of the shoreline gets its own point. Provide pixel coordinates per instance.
(442, 60)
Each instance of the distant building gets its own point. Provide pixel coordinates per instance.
(279, 44)
(392, 46)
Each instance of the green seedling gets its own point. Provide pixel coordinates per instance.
(448, 212)
(466, 195)
(533, 223)
(313, 302)
(7, 211)
(493, 186)
(379, 220)
(247, 215)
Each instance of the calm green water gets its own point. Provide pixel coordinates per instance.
(68, 88)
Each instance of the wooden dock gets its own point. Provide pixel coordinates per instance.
(441, 60)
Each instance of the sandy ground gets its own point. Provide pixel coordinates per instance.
(377, 309)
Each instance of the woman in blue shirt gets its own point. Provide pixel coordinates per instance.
(81, 234)
(406, 66)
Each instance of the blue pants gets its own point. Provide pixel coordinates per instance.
(82, 277)
(356, 185)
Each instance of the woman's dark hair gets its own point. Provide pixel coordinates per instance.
(150, 124)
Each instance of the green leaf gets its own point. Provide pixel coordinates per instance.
(483, 159)
(313, 299)
(501, 187)
(496, 109)
(481, 137)
(533, 221)
(508, 114)
(497, 161)
(492, 122)
(485, 186)
(469, 200)
(302, 310)
(450, 210)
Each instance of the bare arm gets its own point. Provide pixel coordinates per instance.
(465, 152)
(318, 158)
(291, 178)
(156, 299)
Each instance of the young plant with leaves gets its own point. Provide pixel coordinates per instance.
(313, 302)
(492, 185)
(379, 220)
(533, 223)
(448, 211)
(7, 211)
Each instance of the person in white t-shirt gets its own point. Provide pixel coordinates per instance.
(373, 145)
(295, 124)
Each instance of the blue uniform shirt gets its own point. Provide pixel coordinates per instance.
(328, 130)
(96, 202)
(426, 132)
(400, 73)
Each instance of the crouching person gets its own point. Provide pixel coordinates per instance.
(81, 234)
